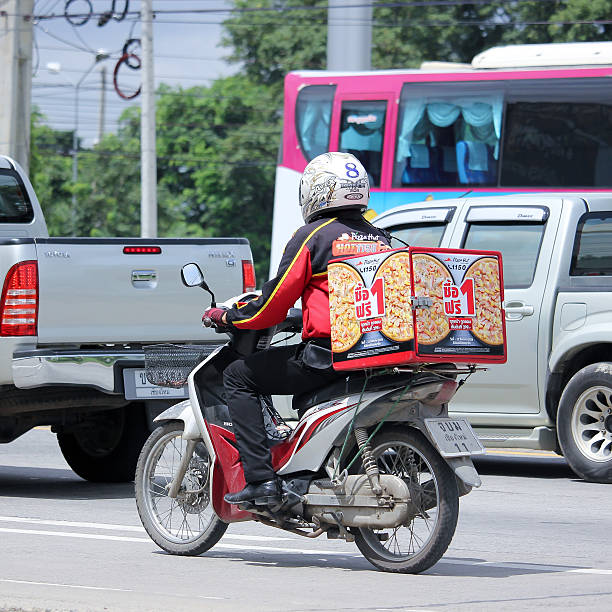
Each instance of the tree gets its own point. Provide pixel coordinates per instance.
(50, 172)
(216, 150)
(271, 42)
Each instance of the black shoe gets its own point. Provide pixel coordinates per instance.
(265, 493)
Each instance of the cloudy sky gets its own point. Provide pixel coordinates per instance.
(185, 47)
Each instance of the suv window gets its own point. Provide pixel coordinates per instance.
(592, 255)
(422, 234)
(362, 128)
(519, 244)
(14, 204)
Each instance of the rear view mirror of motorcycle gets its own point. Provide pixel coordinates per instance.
(192, 276)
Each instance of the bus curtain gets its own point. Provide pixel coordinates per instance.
(313, 127)
(478, 112)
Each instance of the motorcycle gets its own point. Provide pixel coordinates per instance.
(374, 458)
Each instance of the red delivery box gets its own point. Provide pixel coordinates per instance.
(417, 305)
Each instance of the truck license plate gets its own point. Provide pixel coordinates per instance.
(454, 437)
(138, 387)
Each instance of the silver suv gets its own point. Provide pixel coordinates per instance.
(555, 391)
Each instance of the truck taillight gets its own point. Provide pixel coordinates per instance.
(248, 276)
(19, 304)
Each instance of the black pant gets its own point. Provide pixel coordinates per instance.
(275, 371)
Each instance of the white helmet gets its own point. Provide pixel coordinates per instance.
(333, 180)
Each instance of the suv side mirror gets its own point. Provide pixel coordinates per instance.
(192, 275)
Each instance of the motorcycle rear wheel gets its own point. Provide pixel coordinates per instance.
(188, 524)
(419, 543)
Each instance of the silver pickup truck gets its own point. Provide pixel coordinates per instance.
(555, 391)
(74, 315)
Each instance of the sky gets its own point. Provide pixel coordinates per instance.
(186, 53)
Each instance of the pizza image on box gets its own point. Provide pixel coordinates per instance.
(429, 276)
(345, 330)
(488, 324)
(397, 322)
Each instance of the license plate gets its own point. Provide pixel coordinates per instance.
(138, 387)
(454, 437)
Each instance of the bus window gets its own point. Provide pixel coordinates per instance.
(557, 144)
(444, 140)
(312, 118)
(362, 126)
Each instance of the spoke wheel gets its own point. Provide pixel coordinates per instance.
(188, 524)
(584, 422)
(591, 414)
(424, 538)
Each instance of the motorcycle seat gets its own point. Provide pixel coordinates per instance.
(349, 384)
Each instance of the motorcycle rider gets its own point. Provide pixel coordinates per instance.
(334, 192)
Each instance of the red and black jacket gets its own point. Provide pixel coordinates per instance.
(303, 273)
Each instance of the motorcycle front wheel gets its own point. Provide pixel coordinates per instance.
(434, 506)
(186, 525)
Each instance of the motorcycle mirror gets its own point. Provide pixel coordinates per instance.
(192, 276)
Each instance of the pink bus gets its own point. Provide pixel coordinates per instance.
(498, 125)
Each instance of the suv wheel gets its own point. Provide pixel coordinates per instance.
(584, 422)
(106, 447)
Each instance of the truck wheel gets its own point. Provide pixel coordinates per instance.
(584, 422)
(106, 448)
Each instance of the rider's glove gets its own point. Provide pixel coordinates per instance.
(213, 317)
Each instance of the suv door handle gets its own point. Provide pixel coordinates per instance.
(516, 310)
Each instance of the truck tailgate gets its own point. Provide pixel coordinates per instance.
(93, 292)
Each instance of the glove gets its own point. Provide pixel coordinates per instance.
(213, 317)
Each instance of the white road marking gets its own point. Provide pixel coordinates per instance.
(403, 610)
(66, 586)
(73, 534)
(95, 536)
(132, 528)
(274, 549)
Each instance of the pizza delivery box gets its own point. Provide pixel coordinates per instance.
(417, 305)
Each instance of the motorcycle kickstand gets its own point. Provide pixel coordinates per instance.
(175, 485)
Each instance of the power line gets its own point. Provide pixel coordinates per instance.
(287, 9)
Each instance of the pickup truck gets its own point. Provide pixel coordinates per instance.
(555, 391)
(74, 316)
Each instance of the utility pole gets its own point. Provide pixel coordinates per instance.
(148, 164)
(102, 116)
(349, 35)
(16, 79)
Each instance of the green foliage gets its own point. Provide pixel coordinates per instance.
(271, 43)
(216, 152)
(51, 172)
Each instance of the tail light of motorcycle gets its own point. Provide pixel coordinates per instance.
(19, 302)
(248, 276)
